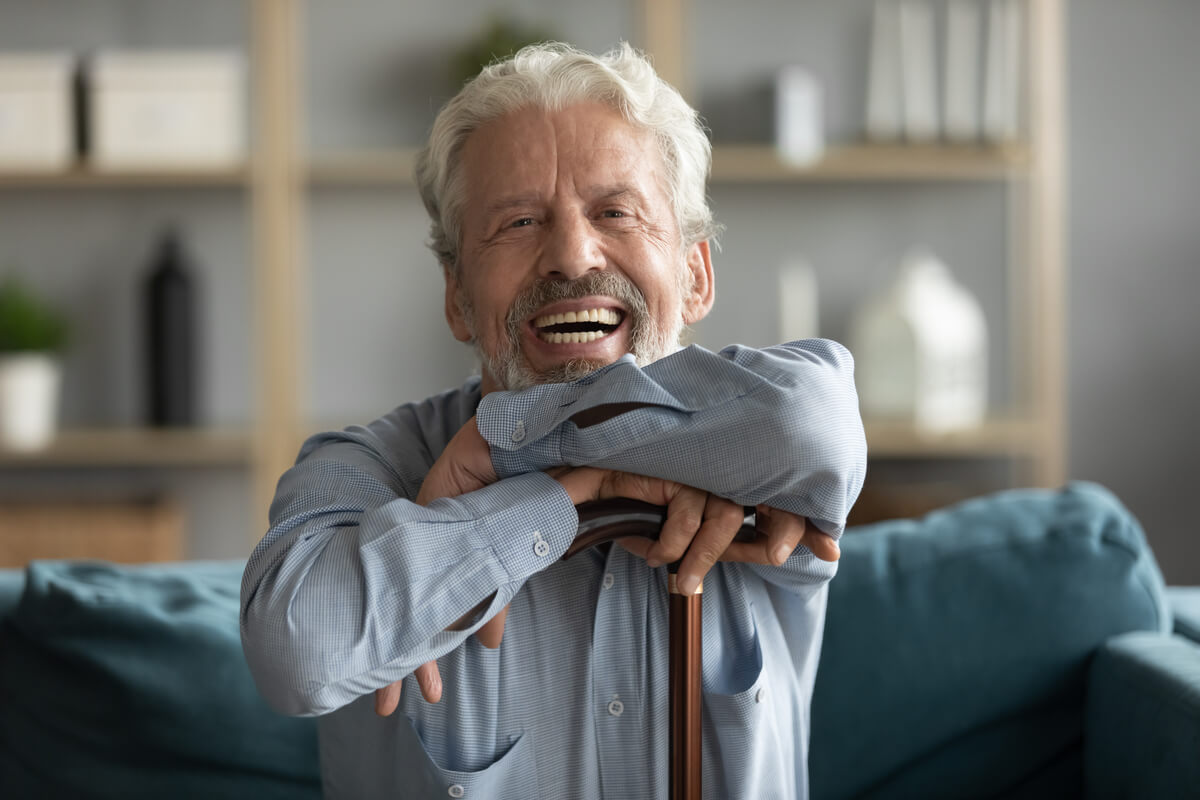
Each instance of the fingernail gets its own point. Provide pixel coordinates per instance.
(781, 553)
(688, 585)
(653, 563)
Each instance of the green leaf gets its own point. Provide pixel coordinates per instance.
(27, 323)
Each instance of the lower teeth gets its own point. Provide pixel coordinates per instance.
(572, 338)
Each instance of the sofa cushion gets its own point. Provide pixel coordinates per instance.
(120, 681)
(956, 646)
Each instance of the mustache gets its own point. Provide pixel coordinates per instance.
(544, 292)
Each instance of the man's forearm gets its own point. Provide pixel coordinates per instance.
(353, 587)
(778, 426)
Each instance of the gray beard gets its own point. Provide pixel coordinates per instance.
(648, 341)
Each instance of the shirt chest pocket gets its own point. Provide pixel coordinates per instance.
(744, 738)
(512, 774)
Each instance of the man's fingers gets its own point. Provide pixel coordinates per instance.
(685, 515)
(780, 532)
(722, 520)
(822, 545)
(387, 698)
(658, 491)
(492, 631)
(430, 681)
(784, 531)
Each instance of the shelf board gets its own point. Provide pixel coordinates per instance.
(366, 168)
(138, 447)
(997, 438)
(747, 164)
(871, 162)
(83, 177)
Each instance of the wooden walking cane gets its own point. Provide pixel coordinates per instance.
(605, 520)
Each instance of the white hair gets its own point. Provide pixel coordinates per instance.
(554, 76)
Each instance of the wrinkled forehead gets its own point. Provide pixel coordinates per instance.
(534, 150)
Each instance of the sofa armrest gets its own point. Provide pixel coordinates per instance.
(1185, 607)
(1142, 721)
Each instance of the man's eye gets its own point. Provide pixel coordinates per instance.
(614, 213)
(522, 222)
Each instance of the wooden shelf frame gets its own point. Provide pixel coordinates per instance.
(872, 162)
(279, 179)
(995, 438)
(1035, 176)
(1033, 173)
(83, 177)
(752, 163)
(139, 447)
(364, 168)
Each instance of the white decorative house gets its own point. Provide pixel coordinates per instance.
(921, 350)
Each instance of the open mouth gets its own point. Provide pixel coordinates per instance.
(577, 327)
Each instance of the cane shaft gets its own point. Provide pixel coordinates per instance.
(606, 520)
(685, 662)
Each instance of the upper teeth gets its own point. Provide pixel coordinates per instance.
(604, 316)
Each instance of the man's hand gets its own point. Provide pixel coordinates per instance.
(464, 466)
(700, 527)
(780, 532)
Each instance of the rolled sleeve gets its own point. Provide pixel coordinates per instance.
(777, 425)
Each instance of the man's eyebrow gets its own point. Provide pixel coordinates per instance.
(512, 201)
(598, 194)
(614, 192)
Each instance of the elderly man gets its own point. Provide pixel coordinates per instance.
(569, 217)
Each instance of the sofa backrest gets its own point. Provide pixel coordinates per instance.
(956, 646)
(120, 681)
(953, 664)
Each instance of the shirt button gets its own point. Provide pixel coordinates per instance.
(608, 580)
(760, 695)
(518, 433)
(456, 790)
(540, 548)
(616, 708)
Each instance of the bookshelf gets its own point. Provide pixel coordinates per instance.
(281, 176)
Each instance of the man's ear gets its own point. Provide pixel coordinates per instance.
(454, 313)
(698, 300)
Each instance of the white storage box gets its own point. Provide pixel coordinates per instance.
(167, 110)
(36, 121)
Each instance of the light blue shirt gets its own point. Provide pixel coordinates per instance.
(354, 585)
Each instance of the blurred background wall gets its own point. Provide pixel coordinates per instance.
(1134, 336)
(372, 75)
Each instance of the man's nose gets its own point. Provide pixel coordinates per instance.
(573, 250)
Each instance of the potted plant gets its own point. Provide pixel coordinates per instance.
(500, 39)
(32, 336)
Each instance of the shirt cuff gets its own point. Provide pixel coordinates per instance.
(528, 520)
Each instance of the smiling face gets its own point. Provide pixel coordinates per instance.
(570, 254)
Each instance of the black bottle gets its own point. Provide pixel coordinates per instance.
(170, 331)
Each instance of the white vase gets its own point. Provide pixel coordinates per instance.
(29, 392)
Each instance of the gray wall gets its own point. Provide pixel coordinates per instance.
(1135, 263)
(374, 75)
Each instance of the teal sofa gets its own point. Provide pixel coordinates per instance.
(1020, 645)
